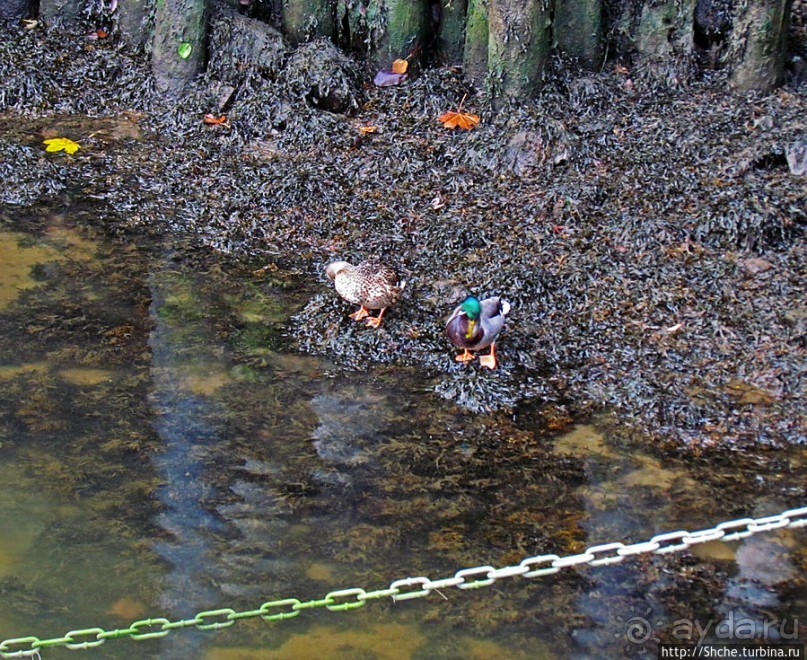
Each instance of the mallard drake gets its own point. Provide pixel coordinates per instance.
(371, 284)
(474, 325)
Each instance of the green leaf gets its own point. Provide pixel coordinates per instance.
(184, 50)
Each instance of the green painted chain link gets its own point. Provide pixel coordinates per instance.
(412, 587)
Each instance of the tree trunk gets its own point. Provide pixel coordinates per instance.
(519, 41)
(64, 14)
(666, 28)
(407, 22)
(384, 30)
(16, 10)
(452, 31)
(758, 43)
(578, 30)
(180, 48)
(304, 20)
(133, 16)
(475, 55)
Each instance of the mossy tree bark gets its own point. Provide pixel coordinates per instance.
(451, 44)
(475, 52)
(180, 43)
(384, 30)
(758, 43)
(406, 24)
(133, 18)
(519, 41)
(307, 19)
(666, 28)
(578, 30)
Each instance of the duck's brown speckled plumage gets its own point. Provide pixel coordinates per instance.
(371, 284)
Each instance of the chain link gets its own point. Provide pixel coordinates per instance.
(413, 587)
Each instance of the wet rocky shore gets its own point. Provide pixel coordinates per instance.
(647, 231)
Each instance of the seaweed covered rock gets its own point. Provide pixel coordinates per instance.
(324, 76)
(238, 42)
(650, 241)
(65, 14)
(15, 10)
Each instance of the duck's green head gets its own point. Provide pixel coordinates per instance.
(472, 309)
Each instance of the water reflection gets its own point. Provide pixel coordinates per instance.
(614, 512)
(173, 456)
(764, 565)
(621, 500)
(184, 421)
(351, 423)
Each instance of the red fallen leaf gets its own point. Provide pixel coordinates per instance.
(211, 119)
(98, 34)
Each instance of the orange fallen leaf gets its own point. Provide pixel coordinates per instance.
(459, 119)
(211, 119)
(400, 66)
(367, 129)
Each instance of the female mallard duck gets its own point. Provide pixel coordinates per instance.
(474, 325)
(371, 284)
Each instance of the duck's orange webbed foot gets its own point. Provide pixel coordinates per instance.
(465, 356)
(359, 314)
(375, 321)
(489, 361)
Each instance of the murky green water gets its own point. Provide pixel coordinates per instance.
(165, 452)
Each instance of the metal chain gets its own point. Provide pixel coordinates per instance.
(412, 587)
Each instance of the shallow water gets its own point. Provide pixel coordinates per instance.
(164, 452)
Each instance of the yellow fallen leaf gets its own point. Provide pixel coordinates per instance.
(400, 66)
(60, 144)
